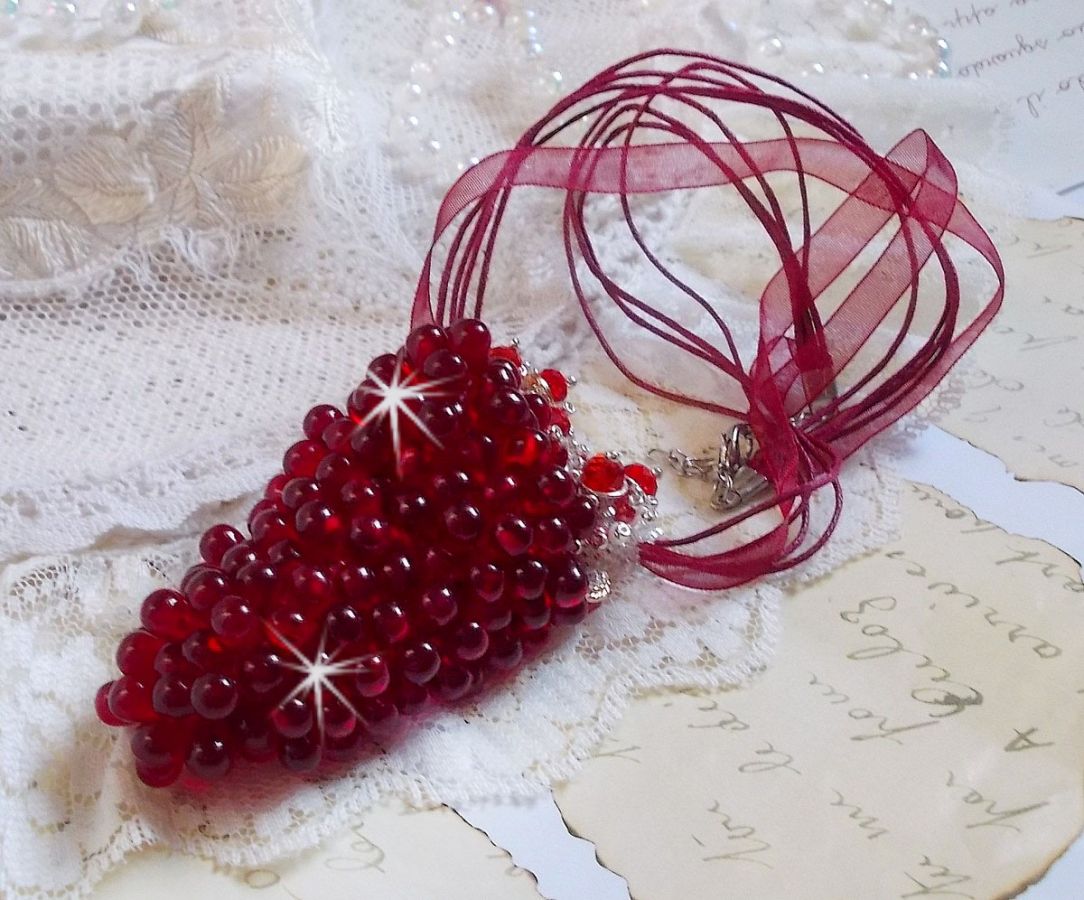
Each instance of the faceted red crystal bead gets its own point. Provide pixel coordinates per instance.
(401, 557)
(603, 475)
(644, 477)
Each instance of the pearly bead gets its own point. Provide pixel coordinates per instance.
(120, 19)
(58, 20)
(771, 46)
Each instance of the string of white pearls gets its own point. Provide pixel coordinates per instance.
(53, 22)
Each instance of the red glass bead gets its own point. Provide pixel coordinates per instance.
(261, 506)
(510, 353)
(237, 557)
(397, 574)
(557, 486)
(255, 582)
(447, 487)
(391, 622)
(421, 662)
(508, 407)
(298, 492)
(216, 541)
(334, 471)
(311, 585)
(130, 700)
(553, 536)
(234, 620)
(192, 574)
(502, 373)
(206, 589)
(166, 614)
(644, 477)
(453, 682)
(493, 613)
(263, 672)
(336, 437)
(319, 523)
(568, 583)
(603, 475)
(513, 535)
(410, 509)
(556, 382)
(171, 661)
(214, 696)
(559, 418)
(410, 699)
(470, 338)
(274, 487)
(528, 578)
(526, 449)
(444, 366)
(358, 584)
(136, 653)
(101, 706)
(379, 715)
(503, 490)
(463, 521)
(505, 651)
(160, 777)
(209, 757)
(362, 496)
(581, 513)
(372, 675)
(443, 420)
(345, 624)
(156, 746)
(293, 718)
(203, 650)
(269, 527)
(487, 580)
(300, 755)
(384, 367)
(440, 605)
(346, 747)
(283, 552)
(534, 612)
(172, 696)
(254, 736)
(339, 721)
(369, 533)
(471, 641)
(623, 510)
(424, 341)
(570, 615)
(318, 419)
(301, 460)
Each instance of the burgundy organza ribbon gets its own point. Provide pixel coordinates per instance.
(634, 137)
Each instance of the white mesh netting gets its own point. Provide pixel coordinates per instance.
(207, 229)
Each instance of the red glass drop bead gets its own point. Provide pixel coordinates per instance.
(528, 578)
(311, 585)
(318, 419)
(556, 382)
(470, 338)
(471, 641)
(463, 521)
(555, 454)
(256, 581)
(206, 589)
(301, 460)
(216, 541)
(534, 612)
(171, 661)
(300, 755)
(237, 557)
(130, 700)
(255, 738)
(502, 373)
(344, 748)
(440, 604)
(172, 696)
(334, 471)
(192, 574)
(510, 353)
(379, 715)
(447, 487)
(337, 435)
(398, 575)
(234, 620)
(644, 477)
(553, 536)
(269, 527)
(570, 615)
(282, 553)
(487, 580)
(568, 583)
(443, 420)
(453, 682)
(156, 746)
(424, 341)
(339, 721)
(541, 409)
(410, 509)
(263, 672)
(505, 650)
(503, 490)
(494, 613)
(437, 564)
(477, 452)
(370, 534)
(513, 535)
(319, 523)
(557, 486)
(161, 777)
(293, 718)
(372, 675)
(410, 699)
(203, 650)
(384, 367)
(345, 625)
(603, 475)
(420, 662)
(274, 487)
(166, 614)
(508, 407)
(259, 507)
(445, 366)
(214, 696)
(526, 449)
(581, 513)
(362, 496)
(391, 622)
(298, 492)
(359, 584)
(101, 706)
(136, 653)
(209, 757)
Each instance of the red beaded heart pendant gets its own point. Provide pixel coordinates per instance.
(412, 549)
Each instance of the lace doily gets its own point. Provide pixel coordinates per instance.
(201, 234)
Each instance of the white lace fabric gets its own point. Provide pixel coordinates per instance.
(204, 232)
